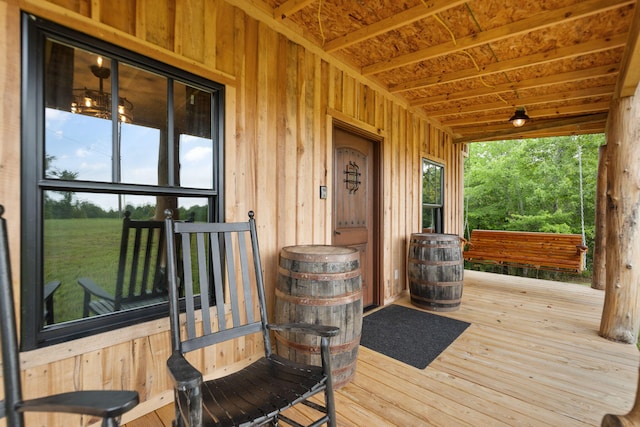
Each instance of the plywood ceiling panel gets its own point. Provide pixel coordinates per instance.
(469, 64)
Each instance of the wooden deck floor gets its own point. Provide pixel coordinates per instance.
(531, 357)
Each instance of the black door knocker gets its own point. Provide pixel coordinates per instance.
(352, 175)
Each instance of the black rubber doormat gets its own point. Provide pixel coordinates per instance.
(409, 335)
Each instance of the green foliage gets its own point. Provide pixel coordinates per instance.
(532, 185)
(545, 222)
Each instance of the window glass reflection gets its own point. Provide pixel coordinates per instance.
(112, 123)
(83, 245)
(143, 139)
(192, 111)
(432, 197)
(78, 130)
(431, 183)
(139, 155)
(196, 162)
(77, 147)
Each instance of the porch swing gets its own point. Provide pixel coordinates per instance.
(526, 249)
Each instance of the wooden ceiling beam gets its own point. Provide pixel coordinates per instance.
(416, 13)
(630, 65)
(567, 131)
(598, 91)
(581, 109)
(290, 7)
(508, 127)
(582, 129)
(589, 73)
(590, 47)
(531, 127)
(537, 22)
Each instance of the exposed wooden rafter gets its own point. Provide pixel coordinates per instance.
(590, 47)
(467, 64)
(543, 20)
(290, 7)
(546, 125)
(424, 10)
(630, 70)
(466, 110)
(587, 73)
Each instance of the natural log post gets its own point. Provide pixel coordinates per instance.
(620, 319)
(598, 278)
(167, 202)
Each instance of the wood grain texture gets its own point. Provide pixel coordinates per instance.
(10, 130)
(551, 251)
(532, 356)
(281, 101)
(599, 273)
(620, 315)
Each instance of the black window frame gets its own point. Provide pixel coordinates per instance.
(33, 182)
(438, 209)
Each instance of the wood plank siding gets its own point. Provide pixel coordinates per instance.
(531, 357)
(282, 99)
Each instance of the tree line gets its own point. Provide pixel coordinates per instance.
(545, 185)
(68, 206)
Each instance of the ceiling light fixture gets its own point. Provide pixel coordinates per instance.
(519, 118)
(98, 102)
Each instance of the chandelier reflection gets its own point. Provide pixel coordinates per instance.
(97, 103)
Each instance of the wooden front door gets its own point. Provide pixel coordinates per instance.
(355, 201)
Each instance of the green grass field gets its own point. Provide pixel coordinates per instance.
(76, 248)
(80, 248)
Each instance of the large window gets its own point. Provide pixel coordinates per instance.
(106, 134)
(432, 197)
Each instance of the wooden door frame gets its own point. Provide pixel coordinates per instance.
(377, 137)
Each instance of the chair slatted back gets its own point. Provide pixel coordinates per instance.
(8, 336)
(140, 261)
(222, 281)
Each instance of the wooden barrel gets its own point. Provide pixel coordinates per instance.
(435, 268)
(320, 284)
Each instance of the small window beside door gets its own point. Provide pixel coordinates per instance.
(432, 197)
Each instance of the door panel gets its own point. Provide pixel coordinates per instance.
(354, 201)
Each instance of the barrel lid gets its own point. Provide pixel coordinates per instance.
(320, 252)
(435, 236)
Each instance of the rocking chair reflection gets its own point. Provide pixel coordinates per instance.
(141, 278)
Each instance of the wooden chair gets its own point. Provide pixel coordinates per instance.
(141, 278)
(226, 269)
(109, 405)
(49, 289)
